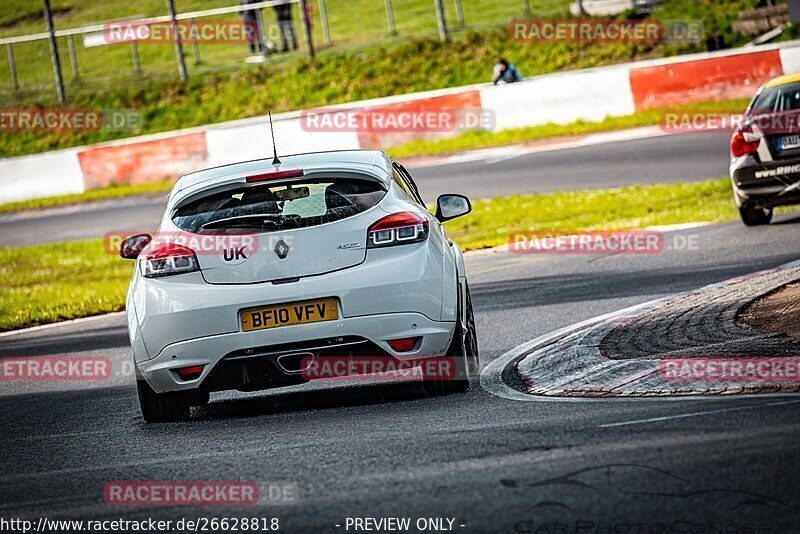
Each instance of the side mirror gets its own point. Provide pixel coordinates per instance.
(132, 246)
(452, 206)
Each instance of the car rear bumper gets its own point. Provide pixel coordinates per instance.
(774, 183)
(410, 279)
(243, 360)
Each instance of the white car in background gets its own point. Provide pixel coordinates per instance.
(258, 268)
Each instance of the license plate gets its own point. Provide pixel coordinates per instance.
(788, 142)
(309, 311)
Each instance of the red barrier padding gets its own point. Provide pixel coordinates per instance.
(707, 79)
(439, 108)
(143, 162)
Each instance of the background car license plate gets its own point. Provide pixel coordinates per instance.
(788, 142)
(309, 311)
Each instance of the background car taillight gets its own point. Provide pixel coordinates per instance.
(167, 259)
(397, 229)
(744, 142)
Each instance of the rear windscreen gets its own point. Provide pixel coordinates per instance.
(779, 98)
(279, 206)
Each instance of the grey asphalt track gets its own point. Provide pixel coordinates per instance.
(384, 449)
(666, 159)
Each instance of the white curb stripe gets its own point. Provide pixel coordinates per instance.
(695, 414)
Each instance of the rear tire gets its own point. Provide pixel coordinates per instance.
(459, 354)
(161, 407)
(471, 340)
(752, 216)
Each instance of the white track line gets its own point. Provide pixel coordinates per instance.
(695, 414)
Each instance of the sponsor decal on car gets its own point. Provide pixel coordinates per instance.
(778, 171)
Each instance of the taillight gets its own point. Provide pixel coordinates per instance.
(167, 259)
(744, 142)
(397, 229)
(404, 345)
(190, 373)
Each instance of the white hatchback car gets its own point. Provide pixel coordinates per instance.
(259, 268)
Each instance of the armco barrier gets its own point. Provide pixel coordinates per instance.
(40, 175)
(590, 95)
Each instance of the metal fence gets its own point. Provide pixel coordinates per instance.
(65, 62)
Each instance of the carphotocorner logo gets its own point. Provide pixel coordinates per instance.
(199, 493)
(75, 120)
(396, 121)
(607, 31)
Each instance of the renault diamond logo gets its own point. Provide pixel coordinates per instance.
(281, 249)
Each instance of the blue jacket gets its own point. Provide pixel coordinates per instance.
(510, 75)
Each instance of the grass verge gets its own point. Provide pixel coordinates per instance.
(54, 282)
(491, 221)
